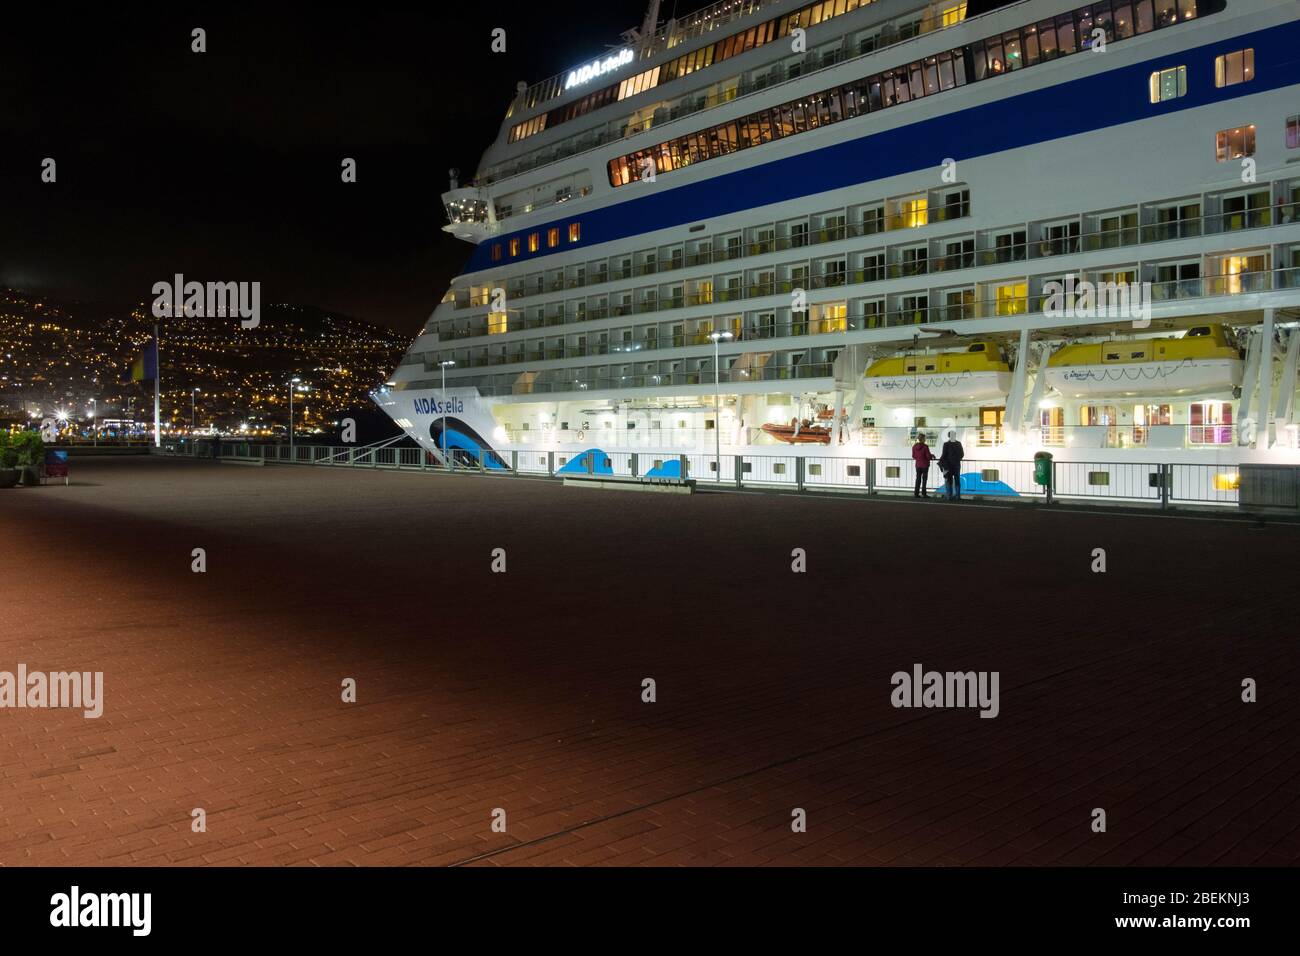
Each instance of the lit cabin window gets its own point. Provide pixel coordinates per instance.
(1010, 299)
(1234, 143)
(1168, 84)
(913, 212)
(552, 237)
(954, 15)
(496, 252)
(534, 242)
(1233, 68)
(498, 323)
(514, 248)
(575, 231)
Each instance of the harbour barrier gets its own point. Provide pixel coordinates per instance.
(1251, 487)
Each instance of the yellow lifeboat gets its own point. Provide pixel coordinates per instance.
(1204, 360)
(976, 373)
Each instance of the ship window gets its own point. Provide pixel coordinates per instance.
(1059, 36)
(496, 252)
(855, 471)
(552, 237)
(778, 468)
(1234, 143)
(990, 474)
(892, 471)
(534, 242)
(1099, 477)
(1168, 84)
(1293, 132)
(575, 231)
(1233, 68)
(814, 469)
(514, 247)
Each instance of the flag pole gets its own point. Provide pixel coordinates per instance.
(157, 389)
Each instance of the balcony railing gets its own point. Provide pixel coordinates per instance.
(1218, 223)
(1205, 286)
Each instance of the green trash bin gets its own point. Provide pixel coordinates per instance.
(1043, 468)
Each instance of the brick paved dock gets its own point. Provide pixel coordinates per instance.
(522, 690)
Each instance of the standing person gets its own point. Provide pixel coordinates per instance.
(950, 459)
(922, 456)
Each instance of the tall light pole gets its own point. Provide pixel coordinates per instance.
(94, 420)
(717, 405)
(293, 383)
(193, 393)
(444, 365)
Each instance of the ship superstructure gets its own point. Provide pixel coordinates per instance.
(1074, 227)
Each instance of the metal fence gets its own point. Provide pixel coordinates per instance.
(1154, 483)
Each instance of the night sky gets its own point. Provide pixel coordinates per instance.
(225, 166)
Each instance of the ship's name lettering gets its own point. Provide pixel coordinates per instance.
(428, 406)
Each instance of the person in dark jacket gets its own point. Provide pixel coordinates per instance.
(922, 456)
(950, 459)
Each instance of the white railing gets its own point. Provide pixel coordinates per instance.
(1146, 482)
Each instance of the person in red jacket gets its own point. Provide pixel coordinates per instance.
(922, 456)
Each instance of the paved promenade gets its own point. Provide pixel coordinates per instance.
(523, 690)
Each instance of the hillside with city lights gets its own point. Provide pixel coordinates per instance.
(67, 360)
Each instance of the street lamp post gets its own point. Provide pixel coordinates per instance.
(444, 365)
(717, 406)
(94, 421)
(193, 393)
(293, 383)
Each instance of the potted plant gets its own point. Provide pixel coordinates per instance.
(30, 451)
(8, 462)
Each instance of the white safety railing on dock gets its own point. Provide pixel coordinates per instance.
(1140, 482)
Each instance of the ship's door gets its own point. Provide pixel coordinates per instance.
(1052, 421)
(1101, 415)
(991, 424)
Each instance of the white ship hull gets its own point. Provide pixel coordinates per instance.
(613, 288)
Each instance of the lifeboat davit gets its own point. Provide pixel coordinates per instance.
(1202, 361)
(977, 373)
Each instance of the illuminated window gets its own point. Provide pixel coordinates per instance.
(514, 248)
(1168, 84)
(1011, 298)
(496, 252)
(1210, 423)
(1234, 143)
(954, 15)
(1235, 270)
(575, 231)
(912, 213)
(498, 322)
(834, 317)
(552, 237)
(534, 242)
(1233, 68)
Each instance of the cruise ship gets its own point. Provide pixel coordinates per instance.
(823, 229)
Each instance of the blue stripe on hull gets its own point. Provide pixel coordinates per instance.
(1066, 109)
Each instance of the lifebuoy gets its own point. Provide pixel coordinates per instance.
(581, 435)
